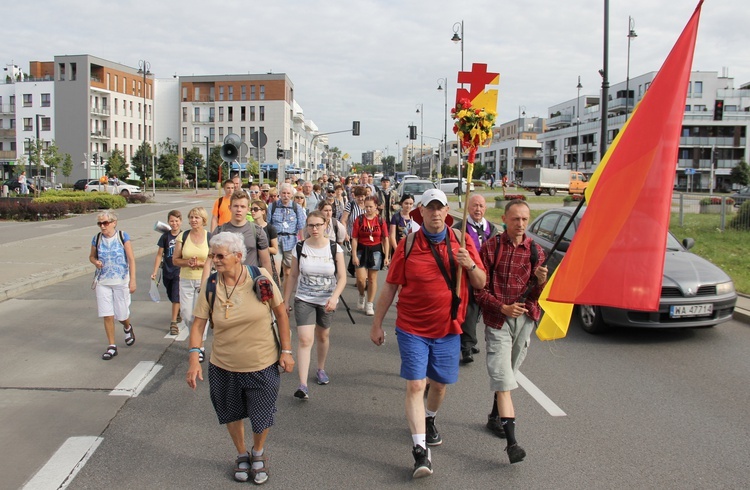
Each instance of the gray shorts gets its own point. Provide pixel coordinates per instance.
(307, 313)
(506, 350)
(286, 258)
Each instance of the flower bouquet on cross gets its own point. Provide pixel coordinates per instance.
(473, 127)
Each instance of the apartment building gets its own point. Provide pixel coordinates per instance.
(714, 129)
(514, 147)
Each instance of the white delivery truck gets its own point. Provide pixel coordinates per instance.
(551, 180)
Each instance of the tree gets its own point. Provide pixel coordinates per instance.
(52, 157)
(67, 166)
(389, 165)
(740, 174)
(168, 167)
(191, 159)
(142, 168)
(116, 165)
(214, 162)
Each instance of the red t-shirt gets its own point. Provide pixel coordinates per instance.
(364, 228)
(424, 302)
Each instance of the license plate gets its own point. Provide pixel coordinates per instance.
(690, 310)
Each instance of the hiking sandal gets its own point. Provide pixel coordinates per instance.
(260, 475)
(173, 328)
(242, 468)
(110, 353)
(129, 336)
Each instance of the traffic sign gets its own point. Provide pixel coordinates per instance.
(689, 171)
(258, 137)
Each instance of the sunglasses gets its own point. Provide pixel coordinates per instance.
(299, 197)
(213, 256)
(104, 223)
(255, 210)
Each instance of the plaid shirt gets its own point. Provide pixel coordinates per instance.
(509, 279)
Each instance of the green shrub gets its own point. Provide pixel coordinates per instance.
(742, 220)
(510, 197)
(137, 198)
(715, 200)
(573, 197)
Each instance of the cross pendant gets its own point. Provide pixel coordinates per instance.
(227, 305)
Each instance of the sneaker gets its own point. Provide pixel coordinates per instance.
(515, 453)
(361, 303)
(422, 463)
(495, 426)
(467, 357)
(369, 309)
(433, 436)
(323, 377)
(301, 393)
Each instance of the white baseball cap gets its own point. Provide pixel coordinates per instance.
(433, 195)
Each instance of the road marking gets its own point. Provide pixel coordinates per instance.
(183, 335)
(65, 464)
(137, 379)
(539, 396)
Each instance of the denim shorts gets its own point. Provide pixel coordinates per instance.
(376, 262)
(436, 359)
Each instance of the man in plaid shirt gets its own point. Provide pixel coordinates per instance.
(509, 318)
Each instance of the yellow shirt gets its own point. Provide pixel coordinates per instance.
(189, 250)
(243, 337)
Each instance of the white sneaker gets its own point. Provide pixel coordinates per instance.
(361, 303)
(369, 311)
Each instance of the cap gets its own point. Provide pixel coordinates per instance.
(265, 187)
(384, 178)
(433, 195)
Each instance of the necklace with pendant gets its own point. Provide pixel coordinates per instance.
(228, 304)
(370, 227)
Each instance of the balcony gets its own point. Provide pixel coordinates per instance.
(8, 155)
(7, 109)
(100, 111)
(204, 120)
(8, 133)
(101, 134)
(203, 99)
(559, 121)
(618, 105)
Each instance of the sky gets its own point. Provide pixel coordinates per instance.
(375, 61)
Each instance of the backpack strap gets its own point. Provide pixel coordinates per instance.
(185, 237)
(99, 239)
(332, 244)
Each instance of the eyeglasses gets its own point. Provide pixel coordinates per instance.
(315, 225)
(213, 256)
(103, 223)
(255, 210)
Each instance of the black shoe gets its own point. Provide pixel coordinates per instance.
(515, 453)
(422, 463)
(494, 424)
(474, 350)
(433, 436)
(466, 357)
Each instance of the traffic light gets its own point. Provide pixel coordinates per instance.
(101, 159)
(412, 132)
(718, 110)
(279, 153)
(355, 128)
(95, 158)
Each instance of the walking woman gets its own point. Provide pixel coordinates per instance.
(190, 253)
(369, 252)
(320, 279)
(332, 230)
(243, 371)
(259, 210)
(112, 254)
(354, 209)
(402, 223)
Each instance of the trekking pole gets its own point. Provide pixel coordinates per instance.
(348, 311)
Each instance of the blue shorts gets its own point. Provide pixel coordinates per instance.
(436, 359)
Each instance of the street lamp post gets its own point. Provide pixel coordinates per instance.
(604, 72)
(420, 111)
(578, 122)
(144, 68)
(631, 35)
(444, 147)
(521, 113)
(459, 27)
(208, 154)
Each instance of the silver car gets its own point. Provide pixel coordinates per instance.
(694, 292)
(415, 187)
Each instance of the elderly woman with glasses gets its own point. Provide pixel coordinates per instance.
(246, 357)
(318, 274)
(299, 198)
(112, 255)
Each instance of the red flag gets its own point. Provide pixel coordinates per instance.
(617, 255)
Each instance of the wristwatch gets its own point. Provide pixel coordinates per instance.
(473, 267)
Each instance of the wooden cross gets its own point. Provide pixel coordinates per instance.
(227, 305)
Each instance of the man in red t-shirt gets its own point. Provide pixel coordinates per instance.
(428, 332)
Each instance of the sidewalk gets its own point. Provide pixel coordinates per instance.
(53, 256)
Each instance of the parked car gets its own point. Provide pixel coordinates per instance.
(122, 189)
(32, 182)
(80, 184)
(399, 176)
(415, 187)
(694, 292)
(449, 185)
(741, 196)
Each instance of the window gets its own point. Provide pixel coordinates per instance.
(196, 114)
(27, 99)
(262, 92)
(252, 113)
(243, 133)
(699, 107)
(221, 114)
(697, 89)
(211, 134)
(184, 114)
(687, 107)
(243, 111)
(546, 227)
(27, 124)
(230, 130)
(231, 93)
(230, 113)
(197, 94)
(73, 70)
(244, 92)
(221, 93)
(221, 133)
(115, 128)
(196, 134)
(45, 123)
(61, 69)
(211, 114)
(184, 94)
(252, 93)
(262, 113)
(46, 100)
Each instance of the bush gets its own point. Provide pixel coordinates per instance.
(510, 197)
(742, 220)
(28, 210)
(573, 197)
(98, 200)
(137, 199)
(715, 200)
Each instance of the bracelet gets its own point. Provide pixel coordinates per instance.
(473, 267)
(194, 349)
(284, 351)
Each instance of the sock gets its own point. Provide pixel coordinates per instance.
(494, 412)
(430, 413)
(419, 440)
(257, 464)
(509, 426)
(243, 466)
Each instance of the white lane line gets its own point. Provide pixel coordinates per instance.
(183, 335)
(65, 464)
(137, 379)
(539, 396)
